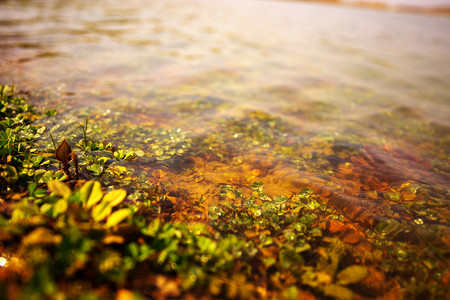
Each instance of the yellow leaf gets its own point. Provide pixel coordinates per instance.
(42, 235)
(91, 193)
(338, 292)
(117, 217)
(46, 207)
(115, 197)
(60, 207)
(352, 274)
(101, 211)
(59, 188)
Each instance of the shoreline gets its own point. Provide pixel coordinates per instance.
(436, 10)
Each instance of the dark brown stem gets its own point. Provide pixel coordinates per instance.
(75, 162)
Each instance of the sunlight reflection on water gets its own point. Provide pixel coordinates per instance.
(102, 45)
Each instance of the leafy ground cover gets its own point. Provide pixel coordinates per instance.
(113, 232)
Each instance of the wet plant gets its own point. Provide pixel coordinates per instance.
(84, 127)
(119, 233)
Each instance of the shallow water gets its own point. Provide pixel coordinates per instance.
(351, 102)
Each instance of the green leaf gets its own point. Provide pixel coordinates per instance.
(153, 227)
(59, 188)
(91, 193)
(133, 250)
(115, 197)
(102, 160)
(206, 245)
(352, 274)
(39, 193)
(257, 186)
(11, 174)
(50, 112)
(42, 283)
(48, 175)
(291, 293)
(36, 160)
(31, 188)
(269, 261)
(95, 168)
(117, 217)
(38, 174)
(290, 259)
(389, 227)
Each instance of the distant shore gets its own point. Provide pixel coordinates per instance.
(440, 10)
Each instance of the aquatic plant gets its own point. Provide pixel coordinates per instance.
(114, 233)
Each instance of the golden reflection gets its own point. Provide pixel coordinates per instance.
(4, 262)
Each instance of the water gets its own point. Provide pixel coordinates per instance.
(351, 102)
(411, 3)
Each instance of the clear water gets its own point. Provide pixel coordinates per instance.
(365, 93)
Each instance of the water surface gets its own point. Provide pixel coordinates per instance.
(351, 102)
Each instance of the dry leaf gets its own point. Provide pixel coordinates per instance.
(63, 152)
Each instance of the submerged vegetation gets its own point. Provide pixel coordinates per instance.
(90, 224)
